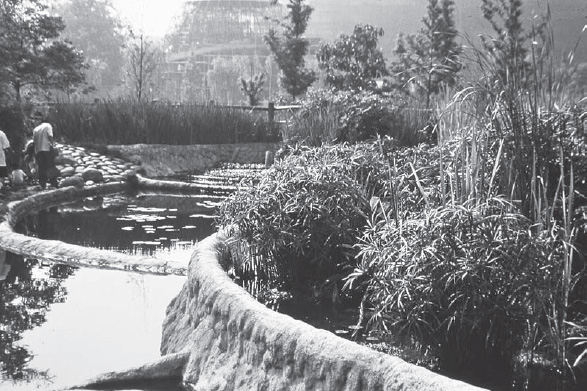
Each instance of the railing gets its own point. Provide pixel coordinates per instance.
(277, 114)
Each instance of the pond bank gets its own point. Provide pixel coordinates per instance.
(216, 336)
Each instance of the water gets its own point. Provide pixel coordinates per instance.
(60, 325)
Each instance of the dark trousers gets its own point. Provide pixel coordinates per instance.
(44, 162)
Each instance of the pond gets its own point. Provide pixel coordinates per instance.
(60, 325)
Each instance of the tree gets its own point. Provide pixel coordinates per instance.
(31, 51)
(143, 59)
(289, 50)
(94, 28)
(354, 62)
(253, 87)
(508, 49)
(430, 59)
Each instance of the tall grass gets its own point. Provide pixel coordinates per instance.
(131, 122)
(521, 136)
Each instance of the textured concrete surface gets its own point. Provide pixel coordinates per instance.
(236, 343)
(217, 337)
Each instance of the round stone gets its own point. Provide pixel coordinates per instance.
(75, 180)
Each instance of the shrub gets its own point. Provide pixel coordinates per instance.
(327, 117)
(471, 283)
(305, 214)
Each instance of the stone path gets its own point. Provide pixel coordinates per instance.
(90, 167)
(77, 167)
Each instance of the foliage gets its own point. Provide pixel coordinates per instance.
(93, 27)
(132, 122)
(289, 49)
(510, 46)
(465, 280)
(327, 117)
(12, 123)
(307, 210)
(31, 53)
(143, 59)
(353, 62)
(253, 87)
(429, 61)
(578, 80)
(520, 135)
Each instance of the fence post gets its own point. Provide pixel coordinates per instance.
(269, 158)
(271, 112)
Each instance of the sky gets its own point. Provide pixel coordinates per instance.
(153, 17)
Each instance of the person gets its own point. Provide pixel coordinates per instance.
(43, 141)
(17, 176)
(4, 146)
(30, 166)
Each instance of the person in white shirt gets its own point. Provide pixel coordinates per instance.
(43, 141)
(4, 145)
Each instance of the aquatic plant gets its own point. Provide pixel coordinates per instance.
(132, 122)
(302, 218)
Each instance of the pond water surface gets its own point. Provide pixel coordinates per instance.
(60, 325)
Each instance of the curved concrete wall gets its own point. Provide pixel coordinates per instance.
(236, 343)
(70, 254)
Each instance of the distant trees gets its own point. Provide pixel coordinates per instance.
(94, 27)
(222, 79)
(290, 48)
(353, 62)
(430, 59)
(32, 53)
(143, 60)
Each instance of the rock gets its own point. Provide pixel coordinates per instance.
(92, 174)
(75, 180)
(63, 160)
(67, 171)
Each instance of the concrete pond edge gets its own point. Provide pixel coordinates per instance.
(74, 255)
(216, 336)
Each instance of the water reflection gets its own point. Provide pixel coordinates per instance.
(27, 290)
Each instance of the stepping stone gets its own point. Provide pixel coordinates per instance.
(75, 180)
(92, 174)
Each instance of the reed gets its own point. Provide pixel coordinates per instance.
(521, 136)
(131, 122)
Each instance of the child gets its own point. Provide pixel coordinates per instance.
(17, 176)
